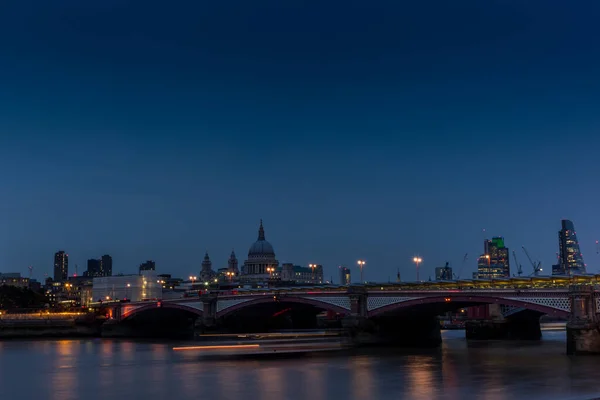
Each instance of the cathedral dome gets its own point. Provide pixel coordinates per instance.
(261, 248)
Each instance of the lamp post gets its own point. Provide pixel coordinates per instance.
(361, 265)
(417, 261)
(230, 275)
(312, 268)
(270, 270)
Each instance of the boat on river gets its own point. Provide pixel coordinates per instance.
(264, 344)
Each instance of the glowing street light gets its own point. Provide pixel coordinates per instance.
(417, 261)
(312, 268)
(270, 270)
(361, 265)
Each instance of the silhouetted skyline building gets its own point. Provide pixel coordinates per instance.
(61, 266)
(106, 266)
(494, 262)
(147, 266)
(443, 273)
(345, 276)
(261, 262)
(570, 259)
(99, 267)
(206, 273)
(93, 268)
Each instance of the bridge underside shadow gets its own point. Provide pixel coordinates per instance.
(273, 316)
(419, 326)
(163, 323)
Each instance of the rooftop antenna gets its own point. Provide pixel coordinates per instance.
(30, 271)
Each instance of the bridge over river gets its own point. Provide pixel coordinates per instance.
(403, 313)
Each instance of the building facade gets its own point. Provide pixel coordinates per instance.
(61, 266)
(444, 273)
(494, 263)
(14, 279)
(303, 275)
(261, 262)
(206, 272)
(106, 265)
(140, 287)
(99, 267)
(570, 259)
(345, 276)
(148, 266)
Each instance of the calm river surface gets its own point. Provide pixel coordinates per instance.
(106, 369)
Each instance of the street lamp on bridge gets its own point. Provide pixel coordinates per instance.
(312, 268)
(361, 265)
(417, 261)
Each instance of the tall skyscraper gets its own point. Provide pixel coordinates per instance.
(106, 265)
(494, 262)
(345, 276)
(570, 259)
(61, 266)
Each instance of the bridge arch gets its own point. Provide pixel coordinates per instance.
(128, 311)
(327, 304)
(466, 300)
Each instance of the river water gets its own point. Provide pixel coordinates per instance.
(106, 369)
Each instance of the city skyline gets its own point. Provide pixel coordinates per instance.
(460, 269)
(356, 131)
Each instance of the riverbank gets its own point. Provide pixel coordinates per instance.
(25, 326)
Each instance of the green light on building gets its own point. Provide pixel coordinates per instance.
(498, 242)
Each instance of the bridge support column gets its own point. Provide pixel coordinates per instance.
(209, 313)
(395, 331)
(583, 327)
(522, 326)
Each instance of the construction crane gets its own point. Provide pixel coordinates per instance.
(464, 262)
(519, 269)
(537, 267)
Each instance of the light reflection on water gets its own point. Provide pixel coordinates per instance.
(99, 369)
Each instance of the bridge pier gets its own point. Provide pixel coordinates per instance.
(395, 331)
(522, 326)
(583, 327)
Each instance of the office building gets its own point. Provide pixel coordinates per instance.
(13, 279)
(494, 263)
(61, 266)
(99, 267)
(570, 259)
(345, 276)
(148, 266)
(93, 268)
(106, 265)
(303, 275)
(443, 273)
(144, 286)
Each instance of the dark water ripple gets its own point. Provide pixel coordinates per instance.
(104, 369)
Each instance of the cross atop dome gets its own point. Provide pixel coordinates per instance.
(261, 231)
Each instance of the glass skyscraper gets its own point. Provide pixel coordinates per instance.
(570, 259)
(494, 262)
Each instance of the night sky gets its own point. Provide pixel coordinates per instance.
(354, 129)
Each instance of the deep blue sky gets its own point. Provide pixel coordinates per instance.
(375, 130)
